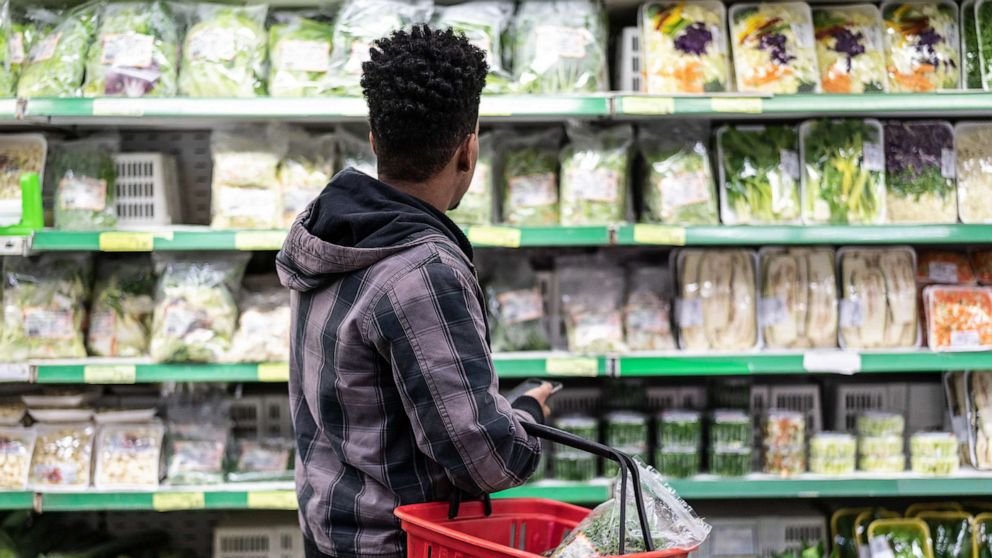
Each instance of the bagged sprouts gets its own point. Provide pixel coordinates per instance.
(594, 167)
(646, 315)
(592, 302)
(304, 172)
(263, 327)
(679, 185)
(516, 308)
(245, 189)
(120, 319)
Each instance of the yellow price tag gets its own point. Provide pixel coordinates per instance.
(259, 240)
(118, 107)
(748, 105)
(127, 242)
(272, 500)
(109, 374)
(659, 234)
(172, 501)
(647, 105)
(572, 366)
(507, 237)
(273, 372)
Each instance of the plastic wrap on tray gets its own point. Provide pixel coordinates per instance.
(773, 46)
(63, 455)
(730, 461)
(973, 153)
(594, 173)
(679, 429)
(958, 318)
(530, 179)
(849, 48)
(684, 47)
(16, 447)
(679, 184)
(716, 308)
(730, 429)
(944, 267)
(920, 172)
(647, 312)
(903, 538)
(626, 429)
(678, 462)
(798, 304)
(592, 304)
(922, 49)
(263, 459)
(759, 174)
(128, 455)
(878, 307)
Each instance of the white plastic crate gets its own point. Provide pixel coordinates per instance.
(803, 398)
(781, 533)
(247, 415)
(661, 398)
(147, 189)
(629, 77)
(854, 399)
(578, 400)
(270, 535)
(277, 421)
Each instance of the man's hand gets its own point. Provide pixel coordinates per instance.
(541, 393)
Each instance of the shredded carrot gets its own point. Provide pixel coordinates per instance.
(918, 81)
(689, 76)
(837, 82)
(769, 74)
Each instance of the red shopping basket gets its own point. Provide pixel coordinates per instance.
(515, 528)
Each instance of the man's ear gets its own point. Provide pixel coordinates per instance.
(372, 143)
(468, 153)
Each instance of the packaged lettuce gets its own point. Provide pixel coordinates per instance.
(57, 60)
(304, 172)
(530, 178)
(264, 323)
(684, 47)
(849, 48)
(594, 171)
(16, 36)
(359, 23)
(300, 52)
(759, 174)
(920, 172)
(647, 319)
(516, 308)
(900, 538)
(44, 304)
(484, 23)
(196, 312)
(224, 52)
(773, 48)
(136, 53)
(679, 188)
(921, 46)
(591, 292)
(971, 70)
(245, 190)
(973, 152)
(476, 207)
(84, 178)
(560, 47)
(121, 314)
(356, 151)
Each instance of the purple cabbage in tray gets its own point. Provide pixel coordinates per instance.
(919, 163)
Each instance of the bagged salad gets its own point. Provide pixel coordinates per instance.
(196, 312)
(592, 291)
(971, 71)
(716, 308)
(136, 53)
(843, 172)
(44, 303)
(594, 171)
(245, 189)
(484, 23)
(560, 47)
(921, 46)
(517, 316)
(355, 151)
(84, 177)
(798, 304)
(530, 178)
(476, 207)
(260, 460)
(120, 317)
(304, 171)
(679, 187)
(973, 153)
(774, 50)
(919, 172)
(849, 48)
(224, 52)
(56, 63)
(647, 313)
(16, 36)
(684, 47)
(878, 298)
(901, 538)
(198, 429)
(759, 174)
(958, 317)
(300, 52)
(264, 323)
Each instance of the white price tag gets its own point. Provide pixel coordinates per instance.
(851, 314)
(771, 311)
(948, 164)
(789, 161)
(965, 339)
(15, 372)
(874, 157)
(689, 312)
(943, 272)
(834, 361)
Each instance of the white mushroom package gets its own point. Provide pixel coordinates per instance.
(878, 308)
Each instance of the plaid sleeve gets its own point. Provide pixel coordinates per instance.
(429, 325)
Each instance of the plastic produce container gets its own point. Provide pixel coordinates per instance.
(626, 429)
(680, 429)
(921, 62)
(849, 48)
(678, 462)
(878, 306)
(774, 48)
(684, 47)
(730, 462)
(730, 429)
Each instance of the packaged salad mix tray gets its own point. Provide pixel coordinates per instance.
(774, 50)
(921, 46)
(684, 47)
(849, 48)
(759, 174)
(920, 172)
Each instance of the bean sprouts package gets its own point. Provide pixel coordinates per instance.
(530, 179)
(973, 152)
(919, 172)
(264, 459)
(359, 23)
(679, 187)
(849, 48)
(120, 317)
(44, 303)
(560, 47)
(484, 23)
(224, 52)
(198, 431)
(594, 174)
(264, 324)
(843, 178)
(958, 318)
(63, 453)
(304, 172)
(517, 315)
(128, 455)
(685, 47)
(84, 178)
(136, 53)
(476, 207)
(356, 151)
(16, 447)
(922, 49)
(19, 153)
(647, 313)
(196, 312)
(56, 62)
(300, 51)
(672, 523)
(759, 174)
(798, 304)
(592, 293)
(774, 50)
(245, 187)
(716, 308)
(878, 307)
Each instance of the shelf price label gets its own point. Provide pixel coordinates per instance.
(572, 366)
(15, 372)
(659, 234)
(110, 374)
(259, 240)
(126, 242)
(834, 361)
(273, 372)
(174, 501)
(506, 237)
(647, 105)
(747, 105)
(272, 500)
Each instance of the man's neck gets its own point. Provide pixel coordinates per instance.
(427, 192)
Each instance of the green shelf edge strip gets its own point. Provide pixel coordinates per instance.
(816, 234)
(16, 500)
(831, 488)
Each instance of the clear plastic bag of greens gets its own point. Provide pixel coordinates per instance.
(484, 23)
(592, 291)
(56, 63)
(16, 35)
(360, 23)
(198, 429)
(922, 48)
(973, 152)
(196, 311)
(530, 178)
(647, 312)
(951, 532)
(560, 47)
(516, 308)
(84, 177)
(798, 304)
(136, 53)
(355, 151)
(849, 48)
(245, 188)
(304, 171)
(717, 304)
(920, 172)
(679, 187)
(971, 71)
(44, 303)
(476, 207)
(264, 323)
(759, 174)
(261, 459)
(224, 52)
(685, 47)
(594, 173)
(300, 53)
(900, 538)
(121, 313)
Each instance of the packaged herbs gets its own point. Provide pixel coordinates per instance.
(626, 429)
(973, 152)
(476, 207)
(679, 187)
(120, 317)
(798, 304)
(592, 304)
(484, 23)
(849, 48)
(773, 47)
(902, 538)
(56, 62)
(646, 314)
(716, 306)
(951, 532)
(921, 46)
(730, 461)
(594, 170)
(224, 52)
(530, 179)
(843, 172)
(678, 462)
(517, 316)
(679, 429)
(684, 47)
(730, 429)
(300, 52)
(878, 307)
(573, 465)
(84, 175)
(759, 174)
(920, 171)
(970, 56)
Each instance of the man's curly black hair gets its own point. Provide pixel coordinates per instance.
(423, 89)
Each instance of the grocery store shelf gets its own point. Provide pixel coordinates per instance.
(967, 483)
(785, 234)
(187, 238)
(16, 500)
